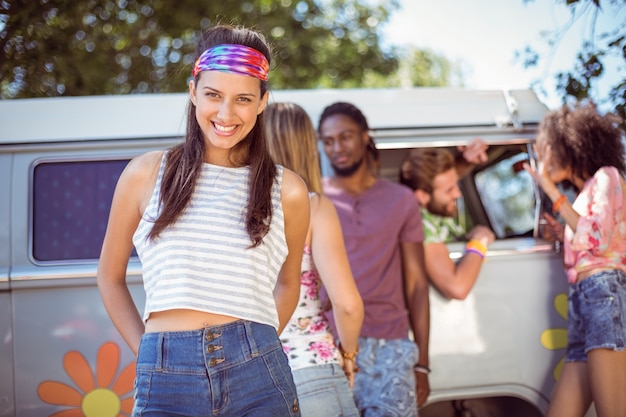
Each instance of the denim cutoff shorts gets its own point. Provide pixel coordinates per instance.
(596, 314)
(237, 369)
(323, 390)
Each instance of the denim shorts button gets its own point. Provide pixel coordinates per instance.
(210, 348)
(209, 336)
(213, 362)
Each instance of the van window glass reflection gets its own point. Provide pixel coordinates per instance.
(71, 202)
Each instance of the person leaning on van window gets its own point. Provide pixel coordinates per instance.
(220, 231)
(382, 230)
(432, 175)
(315, 360)
(581, 148)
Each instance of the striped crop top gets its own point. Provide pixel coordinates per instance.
(202, 261)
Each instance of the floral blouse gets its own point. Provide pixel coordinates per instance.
(307, 339)
(600, 237)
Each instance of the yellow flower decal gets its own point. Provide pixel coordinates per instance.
(556, 339)
(99, 395)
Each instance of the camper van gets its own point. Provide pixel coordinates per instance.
(497, 353)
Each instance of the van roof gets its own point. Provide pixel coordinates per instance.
(163, 115)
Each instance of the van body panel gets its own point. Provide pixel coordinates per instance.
(7, 400)
(501, 347)
(5, 219)
(80, 118)
(431, 108)
(7, 380)
(58, 319)
(52, 342)
(386, 109)
(478, 340)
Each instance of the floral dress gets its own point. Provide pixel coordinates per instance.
(307, 339)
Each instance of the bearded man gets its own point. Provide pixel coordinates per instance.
(433, 175)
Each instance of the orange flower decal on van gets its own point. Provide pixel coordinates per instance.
(556, 339)
(99, 395)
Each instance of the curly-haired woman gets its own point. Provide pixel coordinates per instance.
(580, 147)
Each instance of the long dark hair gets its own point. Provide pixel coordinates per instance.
(184, 161)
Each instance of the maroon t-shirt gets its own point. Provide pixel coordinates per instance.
(374, 224)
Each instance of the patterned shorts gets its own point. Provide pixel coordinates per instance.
(385, 387)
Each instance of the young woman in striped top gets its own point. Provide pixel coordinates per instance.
(220, 231)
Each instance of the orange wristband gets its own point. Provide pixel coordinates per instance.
(477, 247)
(557, 204)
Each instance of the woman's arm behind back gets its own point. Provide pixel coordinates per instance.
(332, 263)
(296, 207)
(132, 194)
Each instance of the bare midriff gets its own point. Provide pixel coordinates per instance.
(180, 320)
(587, 274)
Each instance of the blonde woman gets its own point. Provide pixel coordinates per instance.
(323, 386)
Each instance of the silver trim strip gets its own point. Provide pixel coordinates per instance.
(134, 272)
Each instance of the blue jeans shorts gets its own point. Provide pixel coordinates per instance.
(323, 390)
(385, 386)
(596, 315)
(233, 370)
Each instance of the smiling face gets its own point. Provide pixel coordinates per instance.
(227, 106)
(445, 193)
(344, 142)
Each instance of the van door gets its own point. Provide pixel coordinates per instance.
(67, 354)
(500, 350)
(505, 342)
(7, 406)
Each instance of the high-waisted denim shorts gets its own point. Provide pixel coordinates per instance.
(237, 369)
(596, 314)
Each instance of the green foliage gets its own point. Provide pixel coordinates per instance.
(426, 68)
(598, 49)
(417, 68)
(65, 47)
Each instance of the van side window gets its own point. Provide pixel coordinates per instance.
(71, 202)
(507, 193)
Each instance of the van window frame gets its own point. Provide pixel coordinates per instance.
(31, 205)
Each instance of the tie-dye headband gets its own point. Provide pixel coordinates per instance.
(235, 59)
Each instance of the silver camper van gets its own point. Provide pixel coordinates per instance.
(496, 353)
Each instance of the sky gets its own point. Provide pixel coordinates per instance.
(483, 36)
